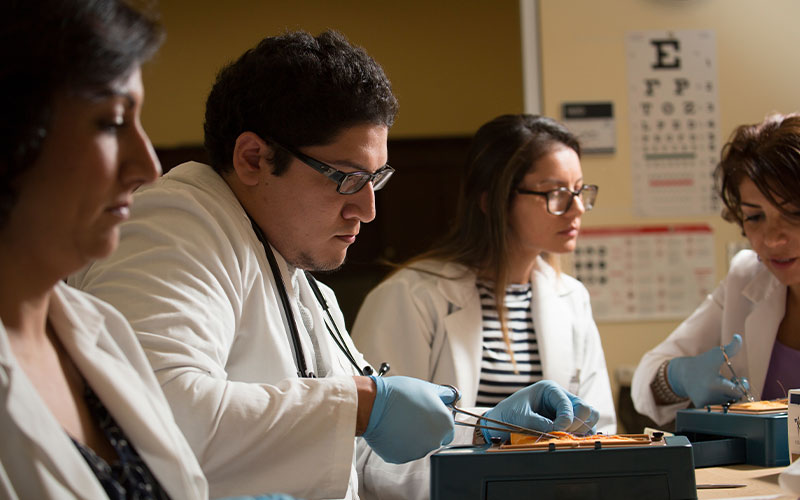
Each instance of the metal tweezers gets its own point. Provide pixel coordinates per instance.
(506, 427)
(736, 379)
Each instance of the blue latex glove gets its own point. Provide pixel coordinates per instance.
(698, 377)
(409, 418)
(544, 406)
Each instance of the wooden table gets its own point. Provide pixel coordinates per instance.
(759, 481)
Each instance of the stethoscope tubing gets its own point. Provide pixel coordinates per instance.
(294, 334)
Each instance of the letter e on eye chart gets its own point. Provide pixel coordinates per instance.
(674, 121)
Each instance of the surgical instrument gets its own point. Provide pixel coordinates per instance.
(736, 379)
(507, 427)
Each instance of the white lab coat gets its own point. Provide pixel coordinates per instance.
(38, 459)
(193, 279)
(430, 327)
(750, 301)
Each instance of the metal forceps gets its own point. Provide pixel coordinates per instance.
(736, 379)
(506, 427)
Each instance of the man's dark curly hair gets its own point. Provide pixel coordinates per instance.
(51, 46)
(297, 90)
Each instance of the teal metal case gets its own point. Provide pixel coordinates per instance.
(654, 472)
(728, 438)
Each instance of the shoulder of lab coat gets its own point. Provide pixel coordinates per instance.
(192, 278)
(424, 320)
(37, 458)
(749, 301)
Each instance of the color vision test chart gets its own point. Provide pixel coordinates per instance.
(674, 121)
(645, 272)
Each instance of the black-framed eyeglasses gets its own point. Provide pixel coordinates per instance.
(559, 201)
(346, 182)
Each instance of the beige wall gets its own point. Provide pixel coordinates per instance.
(583, 59)
(454, 64)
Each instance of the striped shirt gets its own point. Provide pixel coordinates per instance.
(498, 379)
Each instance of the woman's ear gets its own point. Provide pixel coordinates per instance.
(250, 154)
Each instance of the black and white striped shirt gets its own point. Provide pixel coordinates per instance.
(498, 379)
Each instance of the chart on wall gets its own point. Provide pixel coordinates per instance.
(674, 121)
(645, 272)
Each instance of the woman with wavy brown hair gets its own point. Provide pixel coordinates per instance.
(752, 319)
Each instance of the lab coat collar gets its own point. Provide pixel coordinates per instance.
(762, 285)
(458, 290)
(552, 320)
(200, 176)
(296, 287)
(548, 275)
(120, 387)
(30, 415)
(769, 306)
(463, 324)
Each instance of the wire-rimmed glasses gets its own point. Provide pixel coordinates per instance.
(559, 200)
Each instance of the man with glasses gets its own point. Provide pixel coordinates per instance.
(264, 382)
(250, 350)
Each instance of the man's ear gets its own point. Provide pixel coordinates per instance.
(250, 154)
(484, 202)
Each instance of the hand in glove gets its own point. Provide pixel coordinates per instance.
(544, 406)
(698, 377)
(409, 418)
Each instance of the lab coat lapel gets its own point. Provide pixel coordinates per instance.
(761, 326)
(122, 391)
(47, 439)
(305, 339)
(553, 324)
(335, 359)
(463, 327)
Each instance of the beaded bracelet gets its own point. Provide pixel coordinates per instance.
(662, 392)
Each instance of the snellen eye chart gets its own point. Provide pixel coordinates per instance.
(674, 122)
(645, 272)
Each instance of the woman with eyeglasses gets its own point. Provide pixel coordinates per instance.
(752, 319)
(487, 309)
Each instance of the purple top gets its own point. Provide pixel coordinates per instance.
(782, 368)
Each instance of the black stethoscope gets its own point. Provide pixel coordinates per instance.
(299, 358)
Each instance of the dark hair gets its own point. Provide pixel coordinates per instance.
(767, 153)
(297, 90)
(502, 152)
(51, 46)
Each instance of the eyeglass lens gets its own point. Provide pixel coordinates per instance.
(560, 200)
(354, 181)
